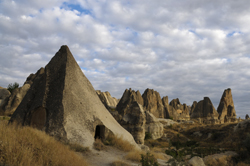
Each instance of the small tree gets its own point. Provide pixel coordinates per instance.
(148, 160)
(11, 87)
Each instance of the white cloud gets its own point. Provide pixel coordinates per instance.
(186, 49)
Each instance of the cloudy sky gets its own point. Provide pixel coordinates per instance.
(187, 48)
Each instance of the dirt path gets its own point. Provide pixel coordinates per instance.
(106, 157)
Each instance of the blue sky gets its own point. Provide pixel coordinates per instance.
(187, 49)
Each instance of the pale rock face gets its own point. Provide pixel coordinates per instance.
(128, 97)
(134, 122)
(4, 93)
(64, 104)
(153, 126)
(220, 159)
(226, 108)
(153, 103)
(196, 161)
(107, 99)
(205, 112)
(178, 111)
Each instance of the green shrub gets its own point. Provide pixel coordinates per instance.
(11, 87)
(148, 160)
(148, 136)
(246, 143)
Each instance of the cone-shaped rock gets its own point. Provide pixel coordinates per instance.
(226, 109)
(153, 103)
(64, 104)
(205, 111)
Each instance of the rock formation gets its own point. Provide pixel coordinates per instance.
(226, 108)
(128, 97)
(246, 117)
(108, 101)
(130, 102)
(178, 111)
(134, 122)
(205, 112)
(4, 93)
(153, 103)
(153, 126)
(193, 107)
(63, 103)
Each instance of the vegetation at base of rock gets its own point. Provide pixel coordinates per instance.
(148, 135)
(119, 143)
(98, 145)
(25, 146)
(119, 163)
(12, 87)
(78, 148)
(134, 155)
(246, 142)
(148, 160)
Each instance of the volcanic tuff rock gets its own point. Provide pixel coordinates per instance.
(193, 107)
(153, 126)
(134, 122)
(108, 101)
(178, 111)
(63, 103)
(11, 103)
(226, 108)
(128, 97)
(4, 93)
(246, 117)
(205, 111)
(153, 103)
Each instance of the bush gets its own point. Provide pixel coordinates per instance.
(98, 145)
(246, 143)
(12, 87)
(148, 160)
(148, 136)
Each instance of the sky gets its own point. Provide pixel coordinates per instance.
(186, 49)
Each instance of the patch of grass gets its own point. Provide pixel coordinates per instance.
(98, 145)
(78, 148)
(148, 160)
(119, 143)
(156, 143)
(134, 155)
(25, 146)
(119, 163)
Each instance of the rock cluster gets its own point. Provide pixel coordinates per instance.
(64, 104)
(178, 111)
(131, 104)
(226, 107)
(108, 101)
(205, 112)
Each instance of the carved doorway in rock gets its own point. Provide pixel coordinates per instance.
(100, 132)
(38, 118)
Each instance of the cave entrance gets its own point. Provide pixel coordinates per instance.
(100, 132)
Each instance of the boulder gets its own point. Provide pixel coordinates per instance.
(205, 112)
(64, 104)
(153, 103)
(196, 161)
(4, 93)
(243, 126)
(222, 159)
(108, 101)
(153, 126)
(134, 122)
(226, 109)
(128, 97)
